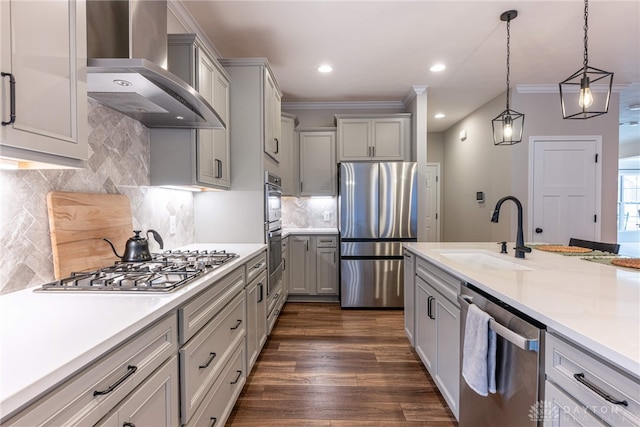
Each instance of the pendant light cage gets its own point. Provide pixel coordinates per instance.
(508, 125)
(587, 92)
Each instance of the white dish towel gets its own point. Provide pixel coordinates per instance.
(479, 352)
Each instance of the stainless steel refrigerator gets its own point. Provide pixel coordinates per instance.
(377, 208)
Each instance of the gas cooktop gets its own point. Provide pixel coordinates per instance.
(163, 273)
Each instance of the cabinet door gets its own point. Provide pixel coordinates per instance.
(154, 403)
(262, 311)
(447, 318)
(354, 139)
(43, 44)
(409, 295)
(288, 156)
(221, 147)
(299, 280)
(271, 104)
(388, 139)
(317, 164)
(326, 271)
(425, 333)
(252, 324)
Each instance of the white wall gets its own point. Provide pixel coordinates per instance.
(472, 165)
(477, 165)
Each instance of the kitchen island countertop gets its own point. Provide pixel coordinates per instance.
(45, 337)
(597, 306)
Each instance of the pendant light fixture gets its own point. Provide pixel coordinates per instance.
(580, 98)
(507, 127)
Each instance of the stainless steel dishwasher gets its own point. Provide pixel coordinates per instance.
(519, 370)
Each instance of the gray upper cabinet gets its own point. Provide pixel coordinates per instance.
(272, 108)
(43, 49)
(317, 163)
(377, 137)
(289, 154)
(200, 157)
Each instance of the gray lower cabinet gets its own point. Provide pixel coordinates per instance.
(583, 390)
(313, 266)
(437, 328)
(154, 403)
(409, 295)
(256, 299)
(97, 391)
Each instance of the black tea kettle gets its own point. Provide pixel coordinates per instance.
(137, 249)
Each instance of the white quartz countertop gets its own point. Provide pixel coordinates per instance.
(287, 231)
(592, 304)
(47, 336)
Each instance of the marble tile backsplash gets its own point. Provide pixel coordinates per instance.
(118, 163)
(309, 212)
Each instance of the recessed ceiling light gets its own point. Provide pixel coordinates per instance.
(439, 115)
(634, 107)
(325, 68)
(437, 67)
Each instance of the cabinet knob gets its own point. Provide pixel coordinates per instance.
(539, 230)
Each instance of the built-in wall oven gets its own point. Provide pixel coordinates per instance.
(273, 229)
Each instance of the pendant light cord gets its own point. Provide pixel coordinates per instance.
(508, 56)
(586, 28)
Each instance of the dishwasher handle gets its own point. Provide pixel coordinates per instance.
(514, 338)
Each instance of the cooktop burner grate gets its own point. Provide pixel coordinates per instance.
(163, 273)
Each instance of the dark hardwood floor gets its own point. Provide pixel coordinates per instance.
(323, 366)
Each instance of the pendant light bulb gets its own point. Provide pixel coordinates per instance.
(586, 97)
(507, 129)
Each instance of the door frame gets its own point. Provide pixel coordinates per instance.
(597, 140)
(438, 200)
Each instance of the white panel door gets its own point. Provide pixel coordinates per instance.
(433, 203)
(565, 189)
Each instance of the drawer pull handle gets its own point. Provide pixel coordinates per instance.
(237, 378)
(208, 362)
(12, 98)
(429, 308)
(128, 424)
(238, 323)
(131, 369)
(580, 378)
(214, 420)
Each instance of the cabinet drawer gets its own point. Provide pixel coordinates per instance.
(443, 282)
(566, 365)
(562, 411)
(202, 359)
(113, 377)
(154, 403)
(255, 266)
(326, 241)
(198, 311)
(219, 401)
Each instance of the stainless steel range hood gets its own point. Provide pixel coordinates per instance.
(127, 51)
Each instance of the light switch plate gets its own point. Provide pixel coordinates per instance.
(327, 216)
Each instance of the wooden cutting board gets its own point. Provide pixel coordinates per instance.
(79, 221)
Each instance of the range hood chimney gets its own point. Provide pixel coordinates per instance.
(127, 51)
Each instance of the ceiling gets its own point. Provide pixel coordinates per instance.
(380, 49)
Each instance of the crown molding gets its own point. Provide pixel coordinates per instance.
(343, 105)
(415, 91)
(553, 88)
(185, 18)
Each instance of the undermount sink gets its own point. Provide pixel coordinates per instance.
(483, 260)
